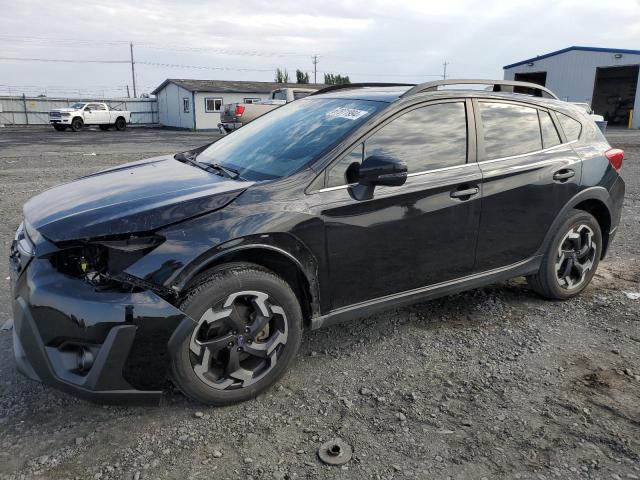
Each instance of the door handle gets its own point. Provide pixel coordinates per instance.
(465, 192)
(563, 175)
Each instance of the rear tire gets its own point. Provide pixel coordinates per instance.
(121, 124)
(248, 333)
(77, 124)
(571, 259)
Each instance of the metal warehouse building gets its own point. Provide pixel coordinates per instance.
(607, 78)
(195, 104)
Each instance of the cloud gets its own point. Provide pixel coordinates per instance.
(370, 40)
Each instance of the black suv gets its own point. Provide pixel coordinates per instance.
(205, 267)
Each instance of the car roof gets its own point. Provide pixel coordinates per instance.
(379, 94)
(393, 94)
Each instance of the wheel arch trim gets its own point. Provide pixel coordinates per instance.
(598, 194)
(304, 261)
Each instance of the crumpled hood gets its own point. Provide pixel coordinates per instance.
(137, 197)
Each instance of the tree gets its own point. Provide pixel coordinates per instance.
(302, 77)
(336, 79)
(282, 76)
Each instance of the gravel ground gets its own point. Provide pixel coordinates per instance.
(492, 383)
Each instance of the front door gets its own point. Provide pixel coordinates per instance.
(529, 173)
(412, 236)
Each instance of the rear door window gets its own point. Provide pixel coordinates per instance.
(571, 127)
(509, 129)
(550, 137)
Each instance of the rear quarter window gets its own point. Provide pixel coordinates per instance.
(571, 127)
(550, 137)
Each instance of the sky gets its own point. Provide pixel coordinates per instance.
(374, 41)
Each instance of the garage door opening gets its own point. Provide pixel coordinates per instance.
(614, 93)
(539, 78)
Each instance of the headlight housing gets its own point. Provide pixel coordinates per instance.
(99, 261)
(23, 242)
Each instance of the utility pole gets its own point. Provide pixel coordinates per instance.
(128, 94)
(133, 71)
(444, 71)
(315, 68)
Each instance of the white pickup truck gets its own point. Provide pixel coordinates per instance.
(83, 113)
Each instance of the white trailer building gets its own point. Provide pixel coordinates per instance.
(195, 104)
(607, 78)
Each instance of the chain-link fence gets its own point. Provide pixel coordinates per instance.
(25, 110)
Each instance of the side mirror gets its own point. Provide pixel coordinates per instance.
(378, 170)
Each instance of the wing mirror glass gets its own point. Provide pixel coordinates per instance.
(378, 170)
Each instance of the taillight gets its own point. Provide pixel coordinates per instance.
(615, 157)
(239, 110)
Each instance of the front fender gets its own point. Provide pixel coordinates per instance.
(192, 246)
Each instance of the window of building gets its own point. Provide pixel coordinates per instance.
(509, 129)
(550, 137)
(571, 127)
(212, 104)
(251, 100)
(186, 105)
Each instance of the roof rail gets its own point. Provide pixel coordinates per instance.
(498, 86)
(358, 85)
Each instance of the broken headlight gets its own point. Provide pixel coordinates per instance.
(99, 261)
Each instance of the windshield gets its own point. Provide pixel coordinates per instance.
(290, 137)
(78, 106)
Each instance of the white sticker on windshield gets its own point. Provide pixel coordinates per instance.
(348, 113)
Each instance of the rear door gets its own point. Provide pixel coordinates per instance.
(91, 114)
(101, 114)
(412, 236)
(529, 172)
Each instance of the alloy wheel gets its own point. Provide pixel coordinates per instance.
(576, 257)
(238, 343)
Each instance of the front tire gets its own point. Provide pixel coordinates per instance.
(77, 124)
(571, 259)
(249, 328)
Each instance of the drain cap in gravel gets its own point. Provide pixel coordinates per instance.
(335, 452)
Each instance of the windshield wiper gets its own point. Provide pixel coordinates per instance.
(229, 172)
(184, 158)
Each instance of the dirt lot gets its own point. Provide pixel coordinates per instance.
(493, 383)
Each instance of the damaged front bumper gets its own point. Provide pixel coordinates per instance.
(100, 345)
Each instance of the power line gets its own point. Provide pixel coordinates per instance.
(218, 50)
(388, 74)
(204, 67)
(59, 60)
(154, 64)
(71, 42)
